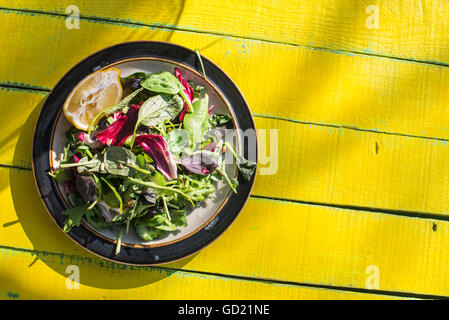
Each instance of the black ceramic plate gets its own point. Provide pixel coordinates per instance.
(206, 222)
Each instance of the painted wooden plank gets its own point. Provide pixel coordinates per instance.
(311, 86)
(274, 240)
(44, 276)
(389, 27)
(324, 165)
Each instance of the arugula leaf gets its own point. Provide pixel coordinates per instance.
(246, 168)
(196, 123)
(232, 182)
(115, 108)
(148, 233)
(159, 187)
(219, 120)
(197, 89)
(62, 175)
(178, 218)
(113, 159)
(74, 216)
(147, 227)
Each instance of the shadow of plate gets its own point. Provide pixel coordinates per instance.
(56, 250)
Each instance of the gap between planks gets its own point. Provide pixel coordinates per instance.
(169, 270)
(223, 34)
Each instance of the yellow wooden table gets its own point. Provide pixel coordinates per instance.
(358, 92)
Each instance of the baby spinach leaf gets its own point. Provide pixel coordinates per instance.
(86, 166)
(159, 108)
(177, 140)
(165, 82)
(162, 82)
(113, 158)
(196, 123)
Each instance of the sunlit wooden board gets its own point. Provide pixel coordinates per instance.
(274, 240)
(389, 27)
(313, 163)
(26, 276)
(280, 81)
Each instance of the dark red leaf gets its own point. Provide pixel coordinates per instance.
(121, 128)
(157, 149)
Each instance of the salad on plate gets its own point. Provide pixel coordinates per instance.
(141, 151)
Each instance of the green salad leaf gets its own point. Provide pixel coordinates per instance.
(159, 108)
(196, 123)
(113, 159)
(75, 216)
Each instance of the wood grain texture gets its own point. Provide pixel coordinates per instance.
(320, 245)
(360, 124)
(301, 84)
(404, 27)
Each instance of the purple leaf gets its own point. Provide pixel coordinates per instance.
(157, 149)
(200, 163)
(188, 91)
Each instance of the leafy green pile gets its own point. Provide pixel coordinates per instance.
(147, 159)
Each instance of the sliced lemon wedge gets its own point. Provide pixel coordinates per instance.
(97, 91)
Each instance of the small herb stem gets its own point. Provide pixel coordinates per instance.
(119, 241)
(220, 171)
(197, 51)
(137, 168)
(232, 150)
(156, 186)
(115, 193)
(166, 208)
(77, 164)
(100, 192)
(186, 99)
